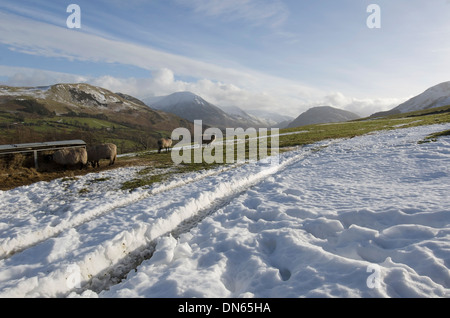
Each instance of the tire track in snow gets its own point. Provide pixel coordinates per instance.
(33, 279)
(111, 258)
(115, 274)
(22, 241)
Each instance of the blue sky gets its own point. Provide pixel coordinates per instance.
(283, 55)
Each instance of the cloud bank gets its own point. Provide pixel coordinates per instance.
(163, 82)
(221, 85)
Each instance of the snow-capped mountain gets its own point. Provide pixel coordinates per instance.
(193, 107)
(436, 96)
(248, 119)
(274, 119)
(322, 115)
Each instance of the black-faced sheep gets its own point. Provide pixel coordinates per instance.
(164, 143)
(71, 157)
(103, 151)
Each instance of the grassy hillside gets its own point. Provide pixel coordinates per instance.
(91, 130)
(81, 111)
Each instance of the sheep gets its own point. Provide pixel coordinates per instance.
(209, 140)
(103, 151)
(70, 157)
(164, 143)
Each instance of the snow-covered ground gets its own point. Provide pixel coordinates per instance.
(361, 217)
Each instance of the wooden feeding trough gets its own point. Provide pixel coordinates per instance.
(34, 148)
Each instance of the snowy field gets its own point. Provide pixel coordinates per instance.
(361, 217)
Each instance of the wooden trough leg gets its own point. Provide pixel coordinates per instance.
(36, 160)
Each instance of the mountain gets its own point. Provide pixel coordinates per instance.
(245, 118)
(321, 115)
(436, 96)
(152, 99)
(193, 107)
(273, 119)
(70, 110)
(131, 99)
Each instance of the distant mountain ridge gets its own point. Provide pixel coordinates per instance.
(274, 119)
(322, 115)
(435, 96)
(193, 107)
(246, 118)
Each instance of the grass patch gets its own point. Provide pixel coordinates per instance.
(434, 137)
(99, 180)
(83, 191)
(442, 133)
(143, 181)
(160, 167)
(150, 175)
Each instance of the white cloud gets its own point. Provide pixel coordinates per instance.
(363, 107)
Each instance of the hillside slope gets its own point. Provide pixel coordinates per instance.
(436, 96)
(322, 114)
(33, 114)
